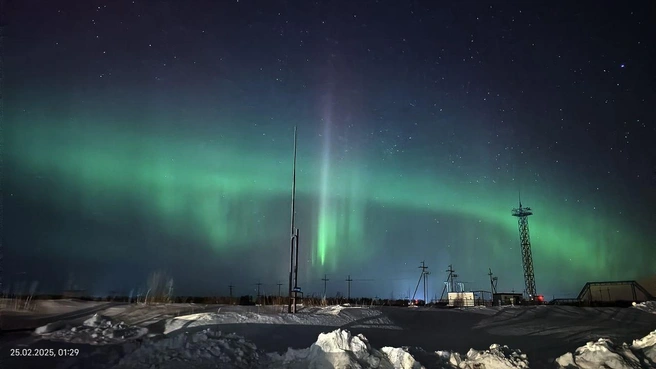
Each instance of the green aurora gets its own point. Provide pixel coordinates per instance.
(211, 189)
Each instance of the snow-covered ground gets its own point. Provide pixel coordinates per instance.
(45, 311)
(331, 316)
(97, 330)
(165, 336)
(341, 349)
(46, 307)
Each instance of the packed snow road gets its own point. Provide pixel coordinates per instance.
(162, 336)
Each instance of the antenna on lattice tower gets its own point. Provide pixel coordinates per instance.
(522, 213)
(519, 196)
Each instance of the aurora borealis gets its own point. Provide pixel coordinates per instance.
(151, 135)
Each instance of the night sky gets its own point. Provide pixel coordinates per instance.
(157, 135)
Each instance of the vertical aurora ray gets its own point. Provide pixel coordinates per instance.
(325, 225)
(341, 213)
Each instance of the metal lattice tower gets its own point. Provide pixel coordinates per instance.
(522, 213)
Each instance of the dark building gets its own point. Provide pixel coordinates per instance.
(504, 298)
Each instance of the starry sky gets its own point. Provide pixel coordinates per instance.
(157, 135)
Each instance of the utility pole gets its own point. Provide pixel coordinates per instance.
(348, 289)
(325, 283)
(231, 287)
(493, 282)
(426, 274)
(423, 268)
(422, 276)
(450, 283)
(258, 284)
(452, 277)
(279, 286)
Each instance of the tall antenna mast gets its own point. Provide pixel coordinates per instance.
(294, 184)
(2, 122)
(293, 249)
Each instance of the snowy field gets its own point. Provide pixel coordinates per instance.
(125, 336)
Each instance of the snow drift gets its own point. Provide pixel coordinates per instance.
(340, 349)
(331, 316)
(97, 330)
(605, 354)
(205, 349)
(497, 357)
(184, 345)
(213, 349)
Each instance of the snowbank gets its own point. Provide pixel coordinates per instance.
(340, 349)
(401, 358)
(497, 357)
(605, 354)
(648, 306)
(97, 330)
(332, 316)
(214, 349)
(205, 349)
(332, 310)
